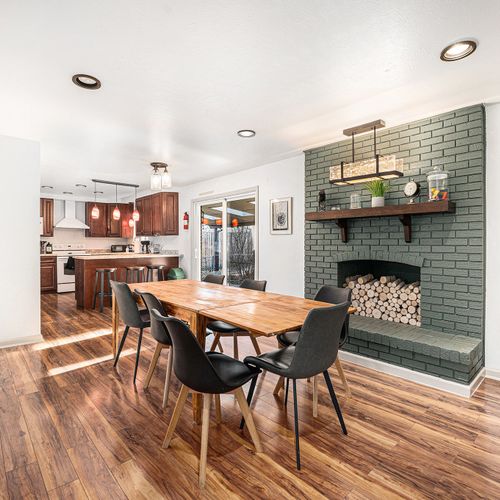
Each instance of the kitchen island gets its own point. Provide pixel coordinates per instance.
(86, 265)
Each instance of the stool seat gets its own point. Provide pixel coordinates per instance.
(135, 274)
(99, 285)
(159, 268)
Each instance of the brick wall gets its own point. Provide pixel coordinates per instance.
(451, 245)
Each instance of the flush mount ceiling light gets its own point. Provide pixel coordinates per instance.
(378, 167)
(246, 133)
(458, 50)
(88, 82)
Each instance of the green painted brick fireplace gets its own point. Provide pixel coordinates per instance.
(449, 248)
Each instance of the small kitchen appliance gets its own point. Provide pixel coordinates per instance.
(145, 246)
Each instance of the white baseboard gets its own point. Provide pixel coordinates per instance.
(493, 373)
(20, 341)
(414, 376)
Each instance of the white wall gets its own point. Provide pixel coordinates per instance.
(19, 252)
(281, 257)
(492, 339)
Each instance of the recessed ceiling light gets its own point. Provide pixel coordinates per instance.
(98, 192)
(86, 81)
(47, 187)
(67, 192)
(81, 185)
(458, 50)
(246, 133)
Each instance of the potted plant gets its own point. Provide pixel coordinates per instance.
(377, 189)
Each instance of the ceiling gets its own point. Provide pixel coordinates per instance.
(180, 77)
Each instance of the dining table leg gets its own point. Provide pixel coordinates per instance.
(115, 321)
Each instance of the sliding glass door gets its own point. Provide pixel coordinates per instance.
(227, 241)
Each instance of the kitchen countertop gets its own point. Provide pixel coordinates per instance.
(125, 255)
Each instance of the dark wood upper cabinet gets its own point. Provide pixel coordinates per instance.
(98, 227)
(47, 212)
(159, 214)
(105, 226)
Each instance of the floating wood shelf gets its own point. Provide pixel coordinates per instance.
(404, 212)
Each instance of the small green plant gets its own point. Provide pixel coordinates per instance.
(377, 188)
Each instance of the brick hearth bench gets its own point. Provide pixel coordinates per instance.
(454, 357)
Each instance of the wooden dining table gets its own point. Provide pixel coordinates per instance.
(198, 302)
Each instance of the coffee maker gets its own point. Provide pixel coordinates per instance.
(145, 246)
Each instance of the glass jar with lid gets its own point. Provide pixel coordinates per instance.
(437, 183)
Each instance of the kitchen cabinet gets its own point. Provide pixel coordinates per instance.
(98, 227)
(159, 215)
(105, 226)
(48, 274)
(47, 212)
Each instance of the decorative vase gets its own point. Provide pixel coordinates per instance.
(378, 201)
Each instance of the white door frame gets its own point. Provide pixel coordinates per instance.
(196, 203)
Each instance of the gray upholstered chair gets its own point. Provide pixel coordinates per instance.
(132, 316)
(223, 329)
(315, 351)
(332, 295)
(160, 333)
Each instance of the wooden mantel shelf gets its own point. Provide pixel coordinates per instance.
(404, 212)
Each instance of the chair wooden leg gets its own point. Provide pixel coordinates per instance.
(315, 396)
(341, 373)
(235, 346)
(279, 385)
(153, 364)
(207, 399)
(255, 345)
(181, 400)
(215, 342)
(220, 346)
(247, 415)
(168, 377)
(218, 413)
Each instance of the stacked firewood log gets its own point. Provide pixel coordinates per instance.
(388, 298)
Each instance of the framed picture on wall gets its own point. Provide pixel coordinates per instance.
(281, 216)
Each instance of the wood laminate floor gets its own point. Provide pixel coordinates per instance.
(73, 427)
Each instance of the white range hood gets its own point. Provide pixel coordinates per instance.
(69, 221)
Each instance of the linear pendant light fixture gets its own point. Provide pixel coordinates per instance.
(116, 212)
(378, 167)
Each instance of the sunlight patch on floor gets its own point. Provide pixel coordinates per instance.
(71, 339)
(83, 364)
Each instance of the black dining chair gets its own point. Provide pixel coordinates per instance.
(315, 351)
(132, 316)
(223, 329)
(332, 295)
(160, 333)
(210, 373)
(216, 279)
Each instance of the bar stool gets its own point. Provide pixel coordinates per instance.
(135, 274)
(151, 272)
(100, 273)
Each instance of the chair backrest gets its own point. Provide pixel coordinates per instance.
(158, 329)
(318, 343)
(127, 305)
(335, 295)
(191, 365)
(217, 279)
(254, 285)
